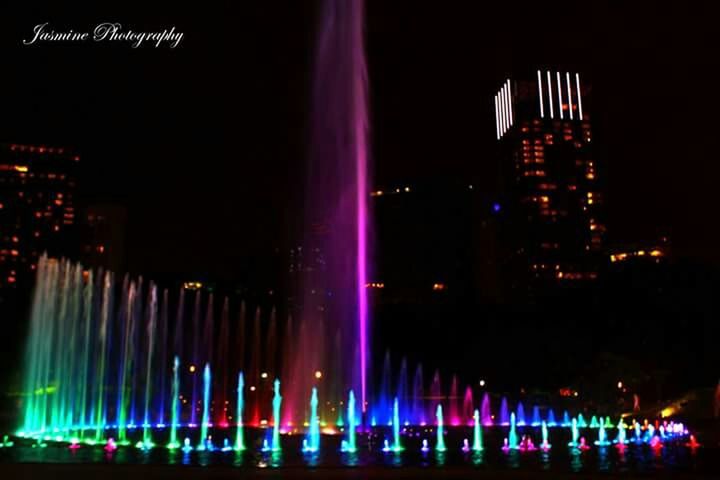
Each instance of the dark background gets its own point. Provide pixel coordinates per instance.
(205, 144)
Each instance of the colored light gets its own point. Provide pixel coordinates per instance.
(569, 92)
(550, 94)
(540, 95)
(560, 97)
(579, 96)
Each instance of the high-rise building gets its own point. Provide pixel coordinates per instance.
(102, 236)
(553, 225)
(37, 185)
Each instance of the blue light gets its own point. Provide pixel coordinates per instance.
(496, 207)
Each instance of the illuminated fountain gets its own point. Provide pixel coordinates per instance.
(350, 444)
(277, 401)
(551, 422)
(204, 442)
(536, 420)
(440, 444)
(545, 445)
(602, 440)
(477, 433)
(174, 405)
(511, 442)
(621, 440)
(239, 433)
(504, 418)
(575, 434)
(312, 442)
(485, 413)
(397, 446)
(520, 415)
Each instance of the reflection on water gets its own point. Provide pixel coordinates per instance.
(419, 451)
(576, 464)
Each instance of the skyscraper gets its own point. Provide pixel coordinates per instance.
(552, 207)
(37, 185)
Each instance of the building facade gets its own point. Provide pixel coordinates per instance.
(553, 225)
(37, 207)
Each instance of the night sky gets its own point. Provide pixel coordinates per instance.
(205, 144)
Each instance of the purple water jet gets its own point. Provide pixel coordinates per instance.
(336, 207)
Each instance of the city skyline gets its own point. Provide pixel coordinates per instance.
(165, 164)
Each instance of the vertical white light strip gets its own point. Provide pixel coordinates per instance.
(550, 95)
(497, 119)
(579, 95)
(510, 110)
(507, 111)
(502, 112)
(504, 107)
(540, 95)
(569, 90)
(560, 102)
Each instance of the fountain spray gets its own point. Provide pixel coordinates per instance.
(440, 445)
(312, 443)
(575, 434)
(206, 408)
(174, 420)
(277, 401)
(397, 447)
(512, 436)
(239, 438)
(351, 445)
(545, 445)
(477, 433)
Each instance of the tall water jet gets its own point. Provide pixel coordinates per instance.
(383, 410)
(206, 408)
(147, 436)
(440, 444)
(477, 433)
(402, 392)
(397, 447)
(504, 418)
(621, 436)
(312, 442)
(126, 365)
(277, 401)
(485, 413)
(351, 444)
(575, 434)
(468, 407)
(239, 434)
(337, 202)
(435, 392)
(174, 405)
(418, 408)
(535, 422)
(512, 436)
(162, 358)
(453, 400)
(545, 445)
(602, 440)
(581, 423)
(551, 422)
(520, 415)
(566, 419)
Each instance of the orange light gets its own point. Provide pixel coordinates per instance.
(21, 168)
(318, 374)
(192, 368)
